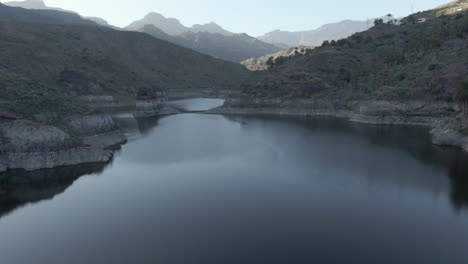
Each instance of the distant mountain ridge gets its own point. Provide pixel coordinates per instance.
(41, 16)
(40, 5)
(34, 4)
(174, 27)
(316, 37)
(234, 47)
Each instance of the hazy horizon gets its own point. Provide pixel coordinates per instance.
(244, 16)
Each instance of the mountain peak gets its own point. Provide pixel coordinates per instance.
(154, 15)
(211, 27)
(30, 4)
(171, 26)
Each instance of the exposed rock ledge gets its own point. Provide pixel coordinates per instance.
(453, 133)
(443, 133)
(361, 118)
(31, 146)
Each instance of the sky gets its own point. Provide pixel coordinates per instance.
(254, 17)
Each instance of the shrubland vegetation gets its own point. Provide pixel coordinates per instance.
(412, 61)
(45, 68)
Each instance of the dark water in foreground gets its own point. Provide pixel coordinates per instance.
(213, 189)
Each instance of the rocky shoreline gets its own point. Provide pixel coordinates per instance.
(91, 138)
(442, 133)
(351, 116)
(80, 139)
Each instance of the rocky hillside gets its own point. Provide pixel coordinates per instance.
(315, 37)
(410, 69)
(265, 62)
(233, 47)
(45, 68)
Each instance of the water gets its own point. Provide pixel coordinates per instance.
(214, 189)
(197, 104)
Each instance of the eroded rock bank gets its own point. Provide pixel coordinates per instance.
(452, 133)
(447, 130)
(80, 139)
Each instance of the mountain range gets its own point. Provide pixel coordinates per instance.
(210, 39)
(173, 27)
(40, 5)
(316, 37)
(233, 47)
(41, 16)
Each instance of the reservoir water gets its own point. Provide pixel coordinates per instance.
(196, 188)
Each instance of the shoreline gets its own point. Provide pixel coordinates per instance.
(439, 127)
(81, 139)
(97, 133)
(427, 121)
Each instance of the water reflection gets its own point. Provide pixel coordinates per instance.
(398, 141)
(146, 125)
(18, 188)
(211, 189)
(459, 176)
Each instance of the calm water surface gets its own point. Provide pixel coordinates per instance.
(213, 189)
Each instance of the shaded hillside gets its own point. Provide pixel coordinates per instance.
(265, 62)
(414, 61)
(315, 37)
(235, 47)
(39, 4)
(8, 13)
(44, 68)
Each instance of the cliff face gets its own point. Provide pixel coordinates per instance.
(31, 146)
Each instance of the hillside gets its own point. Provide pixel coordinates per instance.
(390, 64)
(264, 63)
(39, 4)
(234, 47)
(8, 13)
(333, 31)
(45, 68)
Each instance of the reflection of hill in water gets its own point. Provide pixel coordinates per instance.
(146, 125)
(18, 188)
(397, 140)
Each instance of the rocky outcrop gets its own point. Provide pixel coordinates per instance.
(97, 130)
(447, 137)
(81, 139)
(150, 103)
(447, 130)
(350, 115)
(452, 133)
(265, 62)
(31, 146)
(106, 102)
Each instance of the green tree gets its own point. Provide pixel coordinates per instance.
(378, 21)
(461, 96)
(270, 62)
(326, 43)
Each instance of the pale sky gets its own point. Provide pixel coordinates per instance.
(254, 17)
